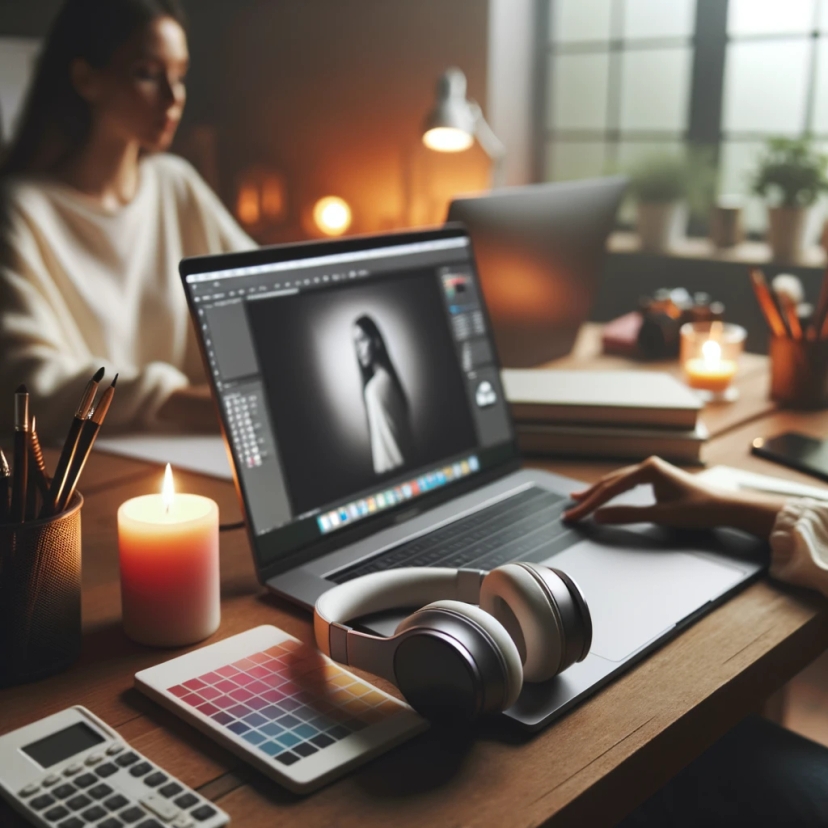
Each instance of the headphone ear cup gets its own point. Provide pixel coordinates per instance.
(514, 596)
(510, 657)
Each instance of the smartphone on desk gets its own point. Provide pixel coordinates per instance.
(798, 451)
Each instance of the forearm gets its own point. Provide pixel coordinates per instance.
(750, 512)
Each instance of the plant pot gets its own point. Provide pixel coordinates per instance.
(660, 223)
(786, 232)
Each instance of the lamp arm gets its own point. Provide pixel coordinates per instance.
(492, 145)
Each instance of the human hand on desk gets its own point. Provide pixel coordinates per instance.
(191, 406)
(682, 501)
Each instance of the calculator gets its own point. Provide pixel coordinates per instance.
(282, 706)
(71, 770)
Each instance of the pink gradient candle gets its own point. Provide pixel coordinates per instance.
(169, 553)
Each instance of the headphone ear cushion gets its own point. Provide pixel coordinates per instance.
(501, 638)
(516, 599)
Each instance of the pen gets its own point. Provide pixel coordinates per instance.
(70, 446)
(766, 303)
(21, 455)
(40, 474)
(5, 486)
(789, 310)
(87, 439)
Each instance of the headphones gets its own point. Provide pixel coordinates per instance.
(451, 658)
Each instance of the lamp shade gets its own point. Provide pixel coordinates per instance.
(451, 124)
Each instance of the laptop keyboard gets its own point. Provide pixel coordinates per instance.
(524, 527)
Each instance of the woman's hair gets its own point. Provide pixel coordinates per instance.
(56, 120)
(380, 356)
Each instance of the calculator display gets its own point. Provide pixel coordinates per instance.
(63, 744)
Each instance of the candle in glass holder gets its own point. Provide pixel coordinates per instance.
(710, 353)
(169, 555)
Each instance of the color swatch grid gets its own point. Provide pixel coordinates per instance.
(287, 701)
(358, 509)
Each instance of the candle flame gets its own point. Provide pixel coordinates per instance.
(712, 352)
(168, 489)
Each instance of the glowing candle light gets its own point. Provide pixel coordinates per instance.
(169, 555)
(710, 372)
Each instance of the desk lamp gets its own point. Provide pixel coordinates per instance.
(454, 123)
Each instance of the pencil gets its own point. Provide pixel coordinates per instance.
(87, 439)
(766, 303)
(5, 487)
(70, 446)
(20, 479)
(789, 310)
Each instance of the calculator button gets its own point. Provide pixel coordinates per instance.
(170, 789)
(160, 807)
(41, 802)
(85, 780)
(93, 759)
(127, 759)
(132, 815)
(185, 801)
(78, 802)
(72, 822)
(106, 770)
(182, 822)
(115, 803)
(58, 812)
(113, 749)
(29, 790)
(62, 791)
(94, 813)
(72, 770)
(100, 791)
(202, 813)
(155, 779)
(51, 779)
(140, 769)
(111, 823)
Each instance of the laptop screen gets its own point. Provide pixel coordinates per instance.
(355, 380)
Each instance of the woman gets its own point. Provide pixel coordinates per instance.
(96, 219)
(386, 406)
(758, 774)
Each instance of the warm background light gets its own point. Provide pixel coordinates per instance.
(332, 215)
(446, 139)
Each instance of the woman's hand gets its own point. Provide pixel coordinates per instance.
(191, 407)
(682, 501)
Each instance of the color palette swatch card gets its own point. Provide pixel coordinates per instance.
(282, 706)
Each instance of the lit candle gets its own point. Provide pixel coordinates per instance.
(169, 554)
(710, 372)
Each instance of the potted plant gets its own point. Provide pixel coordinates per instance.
(659, 184)
(790, 176)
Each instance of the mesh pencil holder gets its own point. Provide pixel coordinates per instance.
(40, 595)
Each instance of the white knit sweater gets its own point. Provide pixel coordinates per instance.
(799, 544)
(82, 287)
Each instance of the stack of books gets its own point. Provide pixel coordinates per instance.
(616, 415)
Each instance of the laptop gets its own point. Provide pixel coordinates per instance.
(360, 398)
(540, 251)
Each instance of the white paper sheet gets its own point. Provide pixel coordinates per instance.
(726, 477)
(203, 454)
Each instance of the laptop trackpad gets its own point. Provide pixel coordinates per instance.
(635, 595)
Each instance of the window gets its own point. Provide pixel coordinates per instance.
(624, 78)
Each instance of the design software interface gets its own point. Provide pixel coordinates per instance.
(351, 383)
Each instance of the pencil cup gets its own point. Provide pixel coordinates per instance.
(799, 372)
(40, 596)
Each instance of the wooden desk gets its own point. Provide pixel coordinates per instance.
(590, 768)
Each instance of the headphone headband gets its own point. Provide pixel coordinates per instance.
(395, 588)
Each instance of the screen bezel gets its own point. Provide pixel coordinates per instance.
(389, 517)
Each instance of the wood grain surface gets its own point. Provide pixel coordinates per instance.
(589, 768)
